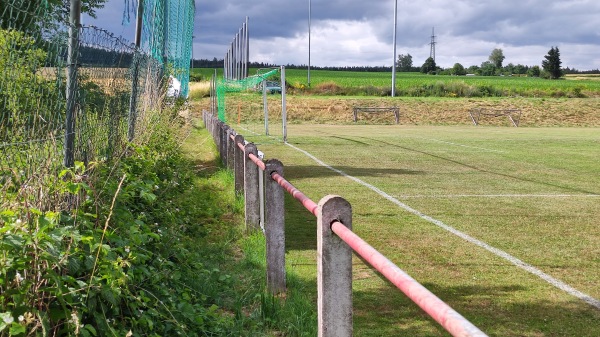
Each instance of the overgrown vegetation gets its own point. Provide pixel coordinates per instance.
(22, 89)
(147, 249)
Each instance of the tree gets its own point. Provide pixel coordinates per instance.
(458, 70)
(474, 70)
(429, 66)
(29, 15)
(405, 62)
(552, 63)
(497, 57)
(534, 71)
(488, 69)
(520, 69)
(509, 69)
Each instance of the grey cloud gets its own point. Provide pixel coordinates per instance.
(472, 26)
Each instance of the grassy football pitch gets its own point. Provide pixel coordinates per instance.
(501, 223)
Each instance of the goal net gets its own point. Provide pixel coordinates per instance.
(253, 106)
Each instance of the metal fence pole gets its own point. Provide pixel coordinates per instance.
(133, 98)
(265, 106)
(239, 164)
(334, 269)
(283, 105)
(274, 229)
(252, 191)
(71, 94)
(135, 72)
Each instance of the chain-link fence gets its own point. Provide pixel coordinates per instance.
(80, 94)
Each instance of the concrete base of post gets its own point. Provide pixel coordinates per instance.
(334, 269)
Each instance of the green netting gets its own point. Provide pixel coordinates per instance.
(168, 27)
(225, 86)
(119, 88)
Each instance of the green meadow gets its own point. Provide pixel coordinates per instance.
(422, 85)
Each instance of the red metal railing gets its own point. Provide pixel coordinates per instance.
(441, 312)
(257, 161)
(310, 205)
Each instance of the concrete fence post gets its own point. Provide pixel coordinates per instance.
(239, 164)
(208, 124)
(334, 269)
(252, 193)
(230, 149)
(219, 138)
(274, 229)
(214, 127)
(223, 144)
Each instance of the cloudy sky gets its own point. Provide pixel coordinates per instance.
(359, 32)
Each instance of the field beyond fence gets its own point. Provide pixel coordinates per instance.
(349, 83)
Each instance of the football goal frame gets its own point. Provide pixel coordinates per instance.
(513, 115)
(361, 109)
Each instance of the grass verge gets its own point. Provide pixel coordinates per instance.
(151, 247)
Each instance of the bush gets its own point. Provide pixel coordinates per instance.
(124, 259)
(328, 88)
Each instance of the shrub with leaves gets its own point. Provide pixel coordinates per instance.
(120, 263)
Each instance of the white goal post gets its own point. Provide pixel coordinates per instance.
(514, 115)
(357, 109)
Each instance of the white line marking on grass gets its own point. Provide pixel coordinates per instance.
(451, 196)
(527, 267)
(461, 145)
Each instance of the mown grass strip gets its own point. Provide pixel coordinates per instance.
(556, 236)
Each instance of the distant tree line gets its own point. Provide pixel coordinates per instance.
(218, 63)
(550, 69)
(551, 66)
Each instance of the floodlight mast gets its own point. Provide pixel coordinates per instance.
(309, 22)
(394, 59)
(235, 65)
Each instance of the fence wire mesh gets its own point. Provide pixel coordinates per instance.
(119, 88)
